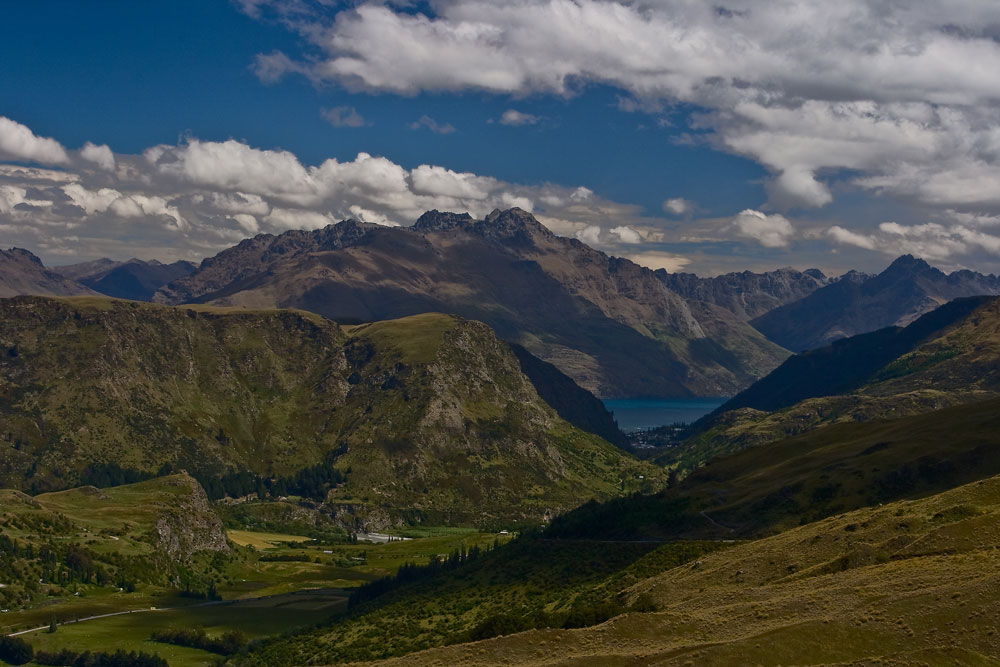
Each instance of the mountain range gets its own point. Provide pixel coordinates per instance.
(859, 303)
(429, 416)
(616, 328)
(611, 325)
(135, 279)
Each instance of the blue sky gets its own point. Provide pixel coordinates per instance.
(772, 155)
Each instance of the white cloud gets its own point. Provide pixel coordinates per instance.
(17, 142)
(198, 197)
(626, 234)
(771, 231)
(343, 117)
(678, 206)
(426, 122)
(655, 259)
(439, 181)
(902, 94)
(932, 241)
(99, 155)
(515, 117)
(847, 237)
(591, 235)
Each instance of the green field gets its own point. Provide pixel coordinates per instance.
(259, 617)
(263, 594)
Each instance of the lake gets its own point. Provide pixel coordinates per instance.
(644, 413)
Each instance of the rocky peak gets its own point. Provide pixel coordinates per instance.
(908, 265)
(442, 220)
(514, 225)
(21, 255)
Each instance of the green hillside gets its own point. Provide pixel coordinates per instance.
(424, 419)
(151, 533)
(837, 468)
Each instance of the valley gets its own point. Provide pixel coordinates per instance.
(233, 483)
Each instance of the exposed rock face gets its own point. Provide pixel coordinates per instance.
(858, 303)
(747, 295)
(135, 279)
(611, 325)
(23, 273)
(190, 525)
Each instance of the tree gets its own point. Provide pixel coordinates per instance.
(15, 650)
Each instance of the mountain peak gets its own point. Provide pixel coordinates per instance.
(22, 254)
(441, 220)
(514, 224)
(909, 264)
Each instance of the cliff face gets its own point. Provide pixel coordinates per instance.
(611, 325)
(747, 295)
(429, 415)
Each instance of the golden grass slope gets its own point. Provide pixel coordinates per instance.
(908, 583)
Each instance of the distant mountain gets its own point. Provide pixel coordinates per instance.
(858, 303)
(429, 418)
(611, 325)
(747, 295)
(23, 273)
(135, 279)
(948, 357)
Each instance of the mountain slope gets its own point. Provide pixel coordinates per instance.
(857, 304)
(429, 417)
(747, 295)
(909, 583)
(611, 325)
(947, 357)
(23, 273)
(135, 279)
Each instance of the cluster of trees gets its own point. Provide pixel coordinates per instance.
(228, 643)
(410, 572)
(309, 482)
(580, 615)
(103, 475)
(16, 651)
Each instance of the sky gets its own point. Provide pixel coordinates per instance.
(682, 134)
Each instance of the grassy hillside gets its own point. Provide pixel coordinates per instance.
(151, 533)
(833, 469)
(908, 583)
(421, 418)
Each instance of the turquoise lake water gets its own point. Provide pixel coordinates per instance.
(643, 413)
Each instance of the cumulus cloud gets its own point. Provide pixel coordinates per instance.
(17, 142)
(198, 197)
(678, 206)
(591, 235)
(99, 155)
(515, 117)
(626, 234)
(343, 117)
(428, 123)
(901, 95)
(771, 231)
